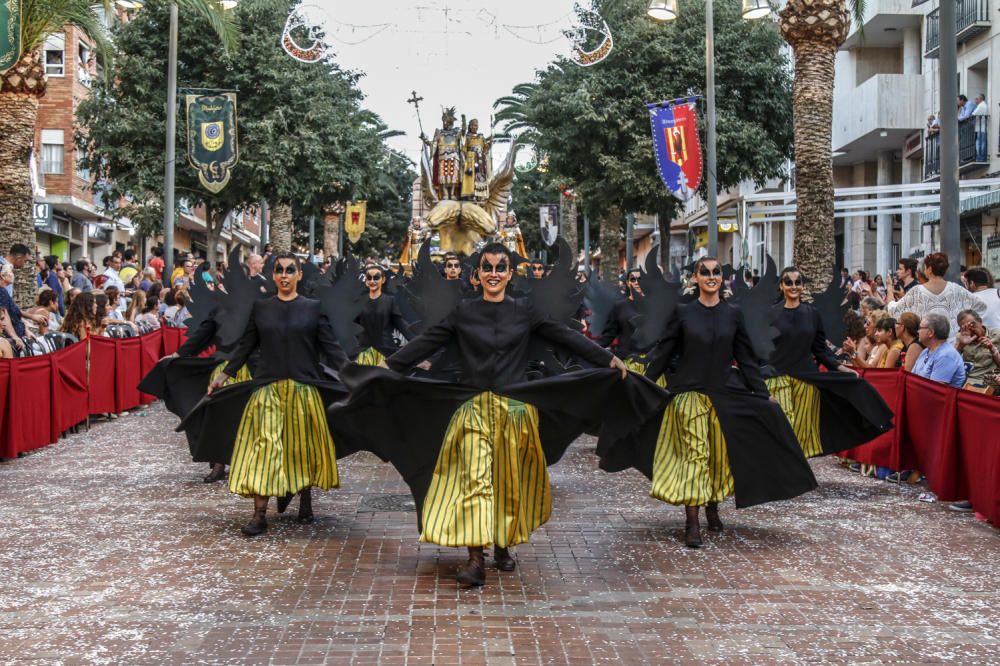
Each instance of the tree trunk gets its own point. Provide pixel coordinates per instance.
(663, 222)
(611, 237)
(567, 222)
(20, 89)
(281, 228)
(215, 222)
(815, 29)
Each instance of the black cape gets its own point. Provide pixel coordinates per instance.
(405, 418)
(696, 353)
(851, 411)
(290, 336)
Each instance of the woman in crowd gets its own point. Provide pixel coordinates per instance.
(149, 318)
(829, 411)
(908, 332)
(937, 295)
(46, 307)
(137, 313)
(283, 445)
(113, 310)
(879, 287)
(81, 318)
(379, 318)
(176, 312)
(980, 349)
(721, 432)
(885, 336)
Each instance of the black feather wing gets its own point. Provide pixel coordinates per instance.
(432, 296)
(342, 298)
(832, 308)
(203, 301)
(236, 302)
(601, 298)
(758, 312)
(658, 304)
(558, 295)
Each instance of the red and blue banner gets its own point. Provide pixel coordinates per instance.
(676, 145)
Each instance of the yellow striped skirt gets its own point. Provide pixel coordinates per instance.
(242, 375)
(283, 444)
(691, 466)
(800, 402)
(637, 366)
(490, 483)
(370, 356)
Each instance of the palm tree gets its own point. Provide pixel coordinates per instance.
(24, 84)
(815, 29)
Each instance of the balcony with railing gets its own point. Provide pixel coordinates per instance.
(971, 18)
(973, 147)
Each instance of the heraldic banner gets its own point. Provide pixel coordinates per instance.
(676, 145)
(354, 220)
(10, 33)
(211, 137)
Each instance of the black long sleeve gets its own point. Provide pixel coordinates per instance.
(746, 359)
(335, 356)
(821, 351)
(424, 345)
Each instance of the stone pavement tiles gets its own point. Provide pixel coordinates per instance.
(112, 550)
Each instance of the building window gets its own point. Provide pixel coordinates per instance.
(81, 170)
(55, 54)
(83, 64)
(53, 151)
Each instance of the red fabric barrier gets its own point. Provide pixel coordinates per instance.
(5, 364)
(28, 424)
(929, 436)
(128, 372)
(978, 423)
(70, 390)
(172, 339)
(102, 375)
(151, 346)
(884, 450)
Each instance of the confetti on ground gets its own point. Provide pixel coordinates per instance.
(114, 551)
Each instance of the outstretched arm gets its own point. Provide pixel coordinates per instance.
(423, 346)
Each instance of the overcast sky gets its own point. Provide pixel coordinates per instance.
(463, 53)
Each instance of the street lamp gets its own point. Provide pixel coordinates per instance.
(666, 10)
(662, 10)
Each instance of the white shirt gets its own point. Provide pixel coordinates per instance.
(921, 301)
(991, 296)
(114, 280)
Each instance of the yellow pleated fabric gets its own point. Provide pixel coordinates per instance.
(490, 483)
(800, 402)
(370, 356)
(690, 466)
(637, 366)
(242, 375)
(283, 445)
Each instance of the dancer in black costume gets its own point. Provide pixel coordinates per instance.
(380, 317)
(475, 453)
(720, 434)
(829, 411)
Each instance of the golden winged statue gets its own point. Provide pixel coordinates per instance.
(462, 224)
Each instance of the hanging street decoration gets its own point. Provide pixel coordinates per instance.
(211, 137)
(302, 37)
(10, 34)
(526, 159)
(548, 216)
(676, 145)
(590, 37)
(354, 220)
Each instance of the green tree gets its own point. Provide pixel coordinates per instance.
(24, 84)
(304, 139)
(594, 126)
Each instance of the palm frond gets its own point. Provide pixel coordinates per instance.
(40, 18)
(223, 21)
(857, 10)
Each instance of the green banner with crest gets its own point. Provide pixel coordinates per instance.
(10, 34)
(211, 138)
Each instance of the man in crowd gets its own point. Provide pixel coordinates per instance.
(157, 263)
(965, 108)
(17, 257)
(982, 287)
(111, 277)
(939, 361)
(452, 267)
(906, 276)
(83, 276)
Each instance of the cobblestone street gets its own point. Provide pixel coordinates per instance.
(114, 551)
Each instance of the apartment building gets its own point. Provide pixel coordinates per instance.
(71, 221)
(886, 94)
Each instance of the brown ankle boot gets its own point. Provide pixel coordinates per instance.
(257, 524)
(474, 572)
(712, 517)
(692, 530)
(502, 559)
(305, 507)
